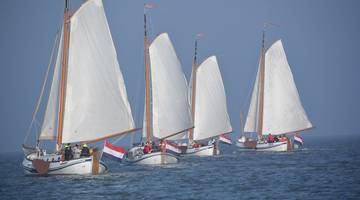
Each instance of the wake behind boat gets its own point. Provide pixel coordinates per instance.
(87, 101)
(275, 107)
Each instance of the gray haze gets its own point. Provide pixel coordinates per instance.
(321, 39)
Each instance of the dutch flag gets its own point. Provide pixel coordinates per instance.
(173, 148)
(298, 140)
(113, 152)
(225, 139)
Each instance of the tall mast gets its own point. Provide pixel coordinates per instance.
(147, 81)
(66, 35)
(193, 93)
(261, 88)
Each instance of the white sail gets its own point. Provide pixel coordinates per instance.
(283, 111)
(252, 116)
(49, 126)
(211, 116)
(170, 106)
(96, 104)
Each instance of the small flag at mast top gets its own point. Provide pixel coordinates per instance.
(200, 35)
(270, 24)
(150, 5)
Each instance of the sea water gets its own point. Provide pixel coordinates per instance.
(327, 168)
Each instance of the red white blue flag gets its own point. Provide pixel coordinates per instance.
(200, 35)
(150, 5)
(299, 140)
(173, 148)
(113, 152)
(225, 139)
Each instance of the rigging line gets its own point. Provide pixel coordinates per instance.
(118, 139)
(250, 90)
(149, 27)
(137, 97)
(267, 25)
(42, 89)
(37, 124)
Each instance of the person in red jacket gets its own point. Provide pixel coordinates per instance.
(270, 138)
(147, 148)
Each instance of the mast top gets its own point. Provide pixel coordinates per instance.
(263, 38)
(66, 4)
(195, 54)
(145, 28)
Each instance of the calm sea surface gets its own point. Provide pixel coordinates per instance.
(328, 168)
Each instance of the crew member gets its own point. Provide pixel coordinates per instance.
(147, 148)
(68, 152)
(270, 138)
(76, 151)
(85, 151)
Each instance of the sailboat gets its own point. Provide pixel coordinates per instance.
(167, 111)
(245, 142)
(87, 101)
(275, 106)
(209, 109)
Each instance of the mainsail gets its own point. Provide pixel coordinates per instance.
(211, 116)
(96, 104)
(282, 111)
(170, 106)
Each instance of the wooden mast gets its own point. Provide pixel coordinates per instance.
(193, 93)
(66, 35)
(261, 89)
(147, 82)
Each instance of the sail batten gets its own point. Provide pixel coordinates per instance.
(211, 116)
(170, 107)
(96, 102)
(282, 109)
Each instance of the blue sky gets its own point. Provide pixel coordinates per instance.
(321, 39)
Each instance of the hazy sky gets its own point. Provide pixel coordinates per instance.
(321, 39)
